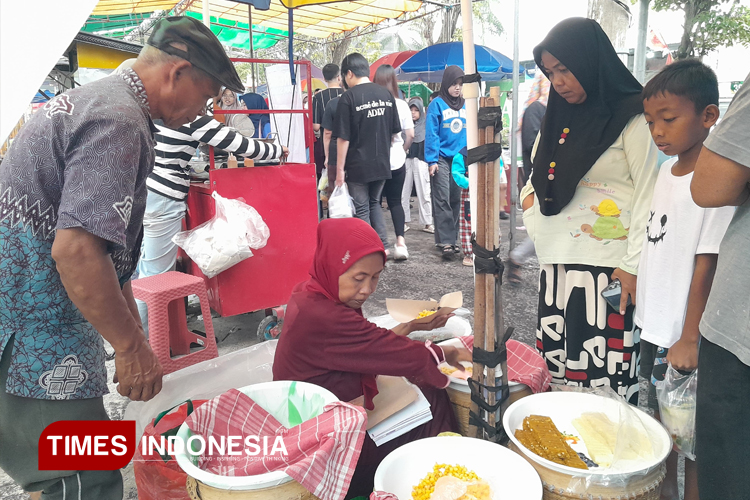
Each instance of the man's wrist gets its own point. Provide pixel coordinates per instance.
(130, 342)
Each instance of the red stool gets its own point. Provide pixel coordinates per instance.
(167, 321)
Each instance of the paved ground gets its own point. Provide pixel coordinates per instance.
(424, 275)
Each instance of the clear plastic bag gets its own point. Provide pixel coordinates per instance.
(323, 182)
(340, 204)
(225, 239)
(677, 397)
(635, 443)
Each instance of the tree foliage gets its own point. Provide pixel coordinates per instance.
(709, 24)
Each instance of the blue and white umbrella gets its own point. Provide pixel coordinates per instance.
(428, 64)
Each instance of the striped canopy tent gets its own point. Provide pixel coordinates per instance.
(312, 18)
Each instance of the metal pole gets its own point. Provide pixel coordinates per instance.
(514, 133)
(206, 13)
(252, 51)
(639, 65)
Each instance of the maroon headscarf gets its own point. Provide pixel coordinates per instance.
(341, 243)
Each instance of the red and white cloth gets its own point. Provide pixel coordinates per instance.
(464, 225)
(321, 453)
(525, 365)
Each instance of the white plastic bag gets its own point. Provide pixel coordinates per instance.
(677, 397)
(225, 239)
(340, 204)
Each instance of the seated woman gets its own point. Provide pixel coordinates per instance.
(327, 341)
(238, 121)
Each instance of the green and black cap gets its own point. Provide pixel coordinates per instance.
(203, 48)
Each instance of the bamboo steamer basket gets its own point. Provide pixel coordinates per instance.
(461, 401)
(291, 490)
(556, 485)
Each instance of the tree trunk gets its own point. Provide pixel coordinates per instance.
(450, 21)
(686, 47)
(340, 48)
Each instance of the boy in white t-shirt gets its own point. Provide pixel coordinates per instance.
(681, 247)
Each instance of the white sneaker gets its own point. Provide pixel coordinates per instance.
(400, 252)
(429, 228)
(406, 228)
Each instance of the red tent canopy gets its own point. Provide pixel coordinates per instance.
(396, 59)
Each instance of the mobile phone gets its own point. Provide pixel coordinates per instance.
(612, 295)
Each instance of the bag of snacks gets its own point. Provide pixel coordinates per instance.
(677, 396)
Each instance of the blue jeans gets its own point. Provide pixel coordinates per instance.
(366, 199)
(162, 220)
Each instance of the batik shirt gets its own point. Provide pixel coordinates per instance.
(80, 162)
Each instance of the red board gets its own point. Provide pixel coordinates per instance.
(285, 196)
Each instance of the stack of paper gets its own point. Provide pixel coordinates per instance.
(399, 423)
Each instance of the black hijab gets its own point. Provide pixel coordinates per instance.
(613, 98)
(450, 75)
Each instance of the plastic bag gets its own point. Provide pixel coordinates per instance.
(340, 204)
(676, 395)
(323, 182)
(159, 477)
(225, 239)
(635, 443)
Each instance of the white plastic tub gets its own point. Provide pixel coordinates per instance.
(563, 407)
(271, 397)
(508, 474)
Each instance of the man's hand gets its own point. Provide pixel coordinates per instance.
(91, 282)
(340, 177)
(454, 356)
(433, 169)
(628, 283)
(138, 371)
(284, 152)
(683, 355)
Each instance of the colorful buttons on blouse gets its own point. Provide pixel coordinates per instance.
(553, 164)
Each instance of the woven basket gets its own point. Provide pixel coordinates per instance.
(555, 485)
(290, 490)
(461, 403)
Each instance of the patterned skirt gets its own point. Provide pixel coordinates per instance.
(464, 224)
(584, 341)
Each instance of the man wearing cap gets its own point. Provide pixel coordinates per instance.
(72, 197)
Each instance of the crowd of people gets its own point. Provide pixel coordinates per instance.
(358, 128)
(86, 200)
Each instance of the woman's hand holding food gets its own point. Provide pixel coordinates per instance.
(628, 282)
(454, 356)
(436, 321)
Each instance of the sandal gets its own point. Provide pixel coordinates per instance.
(448, 253)
(514, 273)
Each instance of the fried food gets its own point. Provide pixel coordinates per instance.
(425, 313)
(451, 482)
(540, 435)
(452, 371)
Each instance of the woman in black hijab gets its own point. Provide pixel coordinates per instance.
(586, 207)
(445, 136)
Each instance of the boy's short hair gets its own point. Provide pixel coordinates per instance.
(688, 78)
(330, 71)
(357, 64)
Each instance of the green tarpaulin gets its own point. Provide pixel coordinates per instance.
(230, 33)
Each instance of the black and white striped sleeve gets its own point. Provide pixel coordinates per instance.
(209, 131)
